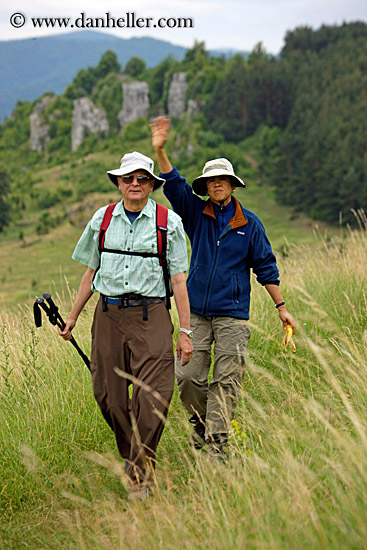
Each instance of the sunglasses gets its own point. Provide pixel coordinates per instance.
(142, 180)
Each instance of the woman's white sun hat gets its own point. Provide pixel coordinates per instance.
(212, 168)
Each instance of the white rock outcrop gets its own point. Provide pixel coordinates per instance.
(193, 107)
(135, 103)
(39, 135)
(176, 95)
(87, 119)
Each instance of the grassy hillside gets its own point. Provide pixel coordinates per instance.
(303, 109)
(296, 476)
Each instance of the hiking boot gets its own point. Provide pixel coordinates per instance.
(139, 494)
(197, 439)
(216, 450)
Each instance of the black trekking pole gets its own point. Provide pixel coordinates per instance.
(52, 312)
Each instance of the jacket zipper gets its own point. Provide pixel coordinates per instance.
(214, 266)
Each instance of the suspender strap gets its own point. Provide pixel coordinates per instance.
(145, 309)
(105, 223)
(101, 237)
(162, 218)
(104, 303)
(132, 253)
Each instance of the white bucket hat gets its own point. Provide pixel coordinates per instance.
(212, 168)
(135, 161)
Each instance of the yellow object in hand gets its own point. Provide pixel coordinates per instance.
(288, 338)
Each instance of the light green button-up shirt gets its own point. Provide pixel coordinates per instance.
(120, 273)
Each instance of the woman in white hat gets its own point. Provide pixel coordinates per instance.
(227, 241)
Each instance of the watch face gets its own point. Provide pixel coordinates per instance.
(188, 332)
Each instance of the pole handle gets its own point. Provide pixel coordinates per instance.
(52, 312)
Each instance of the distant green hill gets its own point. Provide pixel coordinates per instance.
(31, 67)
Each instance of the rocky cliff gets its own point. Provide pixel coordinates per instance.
(87, 118)
(176, 95)
(39, 135)
(135, 102)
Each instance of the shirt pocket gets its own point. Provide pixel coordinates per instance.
(112, 269)
(148, 265)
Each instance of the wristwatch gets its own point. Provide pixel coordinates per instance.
(187, 331)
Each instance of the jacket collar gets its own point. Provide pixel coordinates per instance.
(238, 220)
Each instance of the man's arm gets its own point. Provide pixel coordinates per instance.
(184, 342)
(84, 293)
(284, 315)
(159, 129)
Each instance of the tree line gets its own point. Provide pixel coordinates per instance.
(309, 109)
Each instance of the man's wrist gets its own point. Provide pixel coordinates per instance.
(186, 331)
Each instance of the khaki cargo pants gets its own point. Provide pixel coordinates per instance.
(218, 398)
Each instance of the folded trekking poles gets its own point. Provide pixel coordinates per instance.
(52, 312)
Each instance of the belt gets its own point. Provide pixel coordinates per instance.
(130, 300)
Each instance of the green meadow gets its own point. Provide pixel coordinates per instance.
(297, 470)
(296, 476)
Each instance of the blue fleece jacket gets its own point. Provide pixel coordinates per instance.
(221, 259)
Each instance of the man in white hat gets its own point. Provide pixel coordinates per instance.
(227, 241)
(132, 329)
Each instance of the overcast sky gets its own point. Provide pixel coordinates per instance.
(220, 24)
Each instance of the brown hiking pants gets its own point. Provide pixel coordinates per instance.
(142, 350)
(217, 398)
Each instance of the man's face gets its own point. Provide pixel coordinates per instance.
(135, 187)
(219, 189)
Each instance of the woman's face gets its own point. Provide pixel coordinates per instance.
(220, 189)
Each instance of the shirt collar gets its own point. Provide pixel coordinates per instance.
(148, 209)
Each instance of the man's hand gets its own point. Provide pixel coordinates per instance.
(84, 293)
(66, 333)
(159, 129)
(184, 348)
(286, 318)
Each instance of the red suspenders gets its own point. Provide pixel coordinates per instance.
(161, 225)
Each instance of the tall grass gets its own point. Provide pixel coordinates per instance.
(297, 471)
